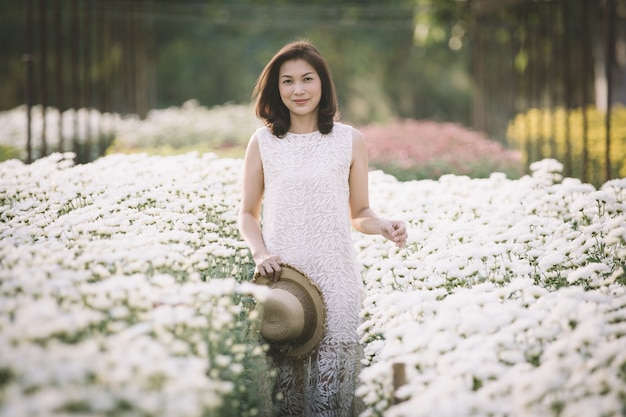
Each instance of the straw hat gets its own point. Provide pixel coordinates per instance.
(293, 314)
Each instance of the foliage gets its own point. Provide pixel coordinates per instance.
(558, 133)
(412, 149)
(9, 152)
(214, 51)
(122, 293)
(440, 53)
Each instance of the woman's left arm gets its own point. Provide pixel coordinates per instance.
(363, 218)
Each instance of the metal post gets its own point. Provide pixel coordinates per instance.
(609, 41)
(584, 93)
(58, 32)
(568, 85)
(99, 87)
(399, 379)
(75, 82)
(478, 94)
(28, 59)
(87, 82)
(43, 78)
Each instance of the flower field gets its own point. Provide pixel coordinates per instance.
(123, 292)
(424, 149)
(406, 149)
(510, 302)
(122, 289)
(557, 132)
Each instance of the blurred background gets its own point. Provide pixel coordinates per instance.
(538, 78)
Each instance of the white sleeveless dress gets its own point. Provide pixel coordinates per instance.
(306, 221)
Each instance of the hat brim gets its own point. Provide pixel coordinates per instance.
(290, 277)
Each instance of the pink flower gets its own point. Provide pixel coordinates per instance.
(439, 148)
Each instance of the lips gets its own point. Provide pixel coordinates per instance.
(301, 101)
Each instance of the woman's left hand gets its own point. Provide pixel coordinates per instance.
(394, 230)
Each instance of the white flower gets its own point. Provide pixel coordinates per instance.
(114, 260)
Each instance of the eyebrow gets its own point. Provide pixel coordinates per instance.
(291, 76)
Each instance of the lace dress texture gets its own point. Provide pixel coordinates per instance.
(306, 222)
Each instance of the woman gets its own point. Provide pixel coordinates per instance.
(310, 175)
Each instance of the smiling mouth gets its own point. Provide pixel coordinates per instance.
(301, 101)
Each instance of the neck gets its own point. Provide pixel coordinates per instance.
(303, 125)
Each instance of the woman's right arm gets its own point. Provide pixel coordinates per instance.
(250, 212)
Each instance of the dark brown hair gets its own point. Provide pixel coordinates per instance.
(269, 105)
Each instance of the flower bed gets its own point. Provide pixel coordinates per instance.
(173, 130)
(412, 149)
(123, 292)
(509, 301)
(408, 149)
(122, 289)
(561, 134)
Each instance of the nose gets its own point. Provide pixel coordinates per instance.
(298, 88)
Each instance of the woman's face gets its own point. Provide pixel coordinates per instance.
(300, 87)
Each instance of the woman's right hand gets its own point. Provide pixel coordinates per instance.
(269, 267)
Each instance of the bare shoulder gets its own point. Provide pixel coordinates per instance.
(359, 151)
(259, 134)
(253, 153)
(358, 142)
(253, 142)
(357, 136)
(254, 138)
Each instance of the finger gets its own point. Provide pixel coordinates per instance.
(269, 267)
(269, 271)
(274, 270)
(277, 272)
(401, 231)
(400, 239)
